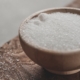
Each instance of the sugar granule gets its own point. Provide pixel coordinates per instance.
(55, 31)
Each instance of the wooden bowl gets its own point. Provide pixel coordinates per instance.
(53, 61)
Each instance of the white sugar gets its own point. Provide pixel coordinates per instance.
(55, 31)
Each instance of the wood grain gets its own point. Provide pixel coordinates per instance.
(15, 65)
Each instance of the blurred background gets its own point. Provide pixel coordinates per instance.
(13, 12)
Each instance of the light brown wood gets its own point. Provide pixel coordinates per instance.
(15, 65)
(53, 61)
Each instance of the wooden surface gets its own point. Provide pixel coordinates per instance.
(15, 65)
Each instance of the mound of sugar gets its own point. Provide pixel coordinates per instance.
(55, 31)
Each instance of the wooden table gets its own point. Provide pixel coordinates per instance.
(15, 65)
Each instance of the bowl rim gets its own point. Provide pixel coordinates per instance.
(44, 49)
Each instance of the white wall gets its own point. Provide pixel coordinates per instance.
(13, 12)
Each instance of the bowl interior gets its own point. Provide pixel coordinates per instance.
(52, 10)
